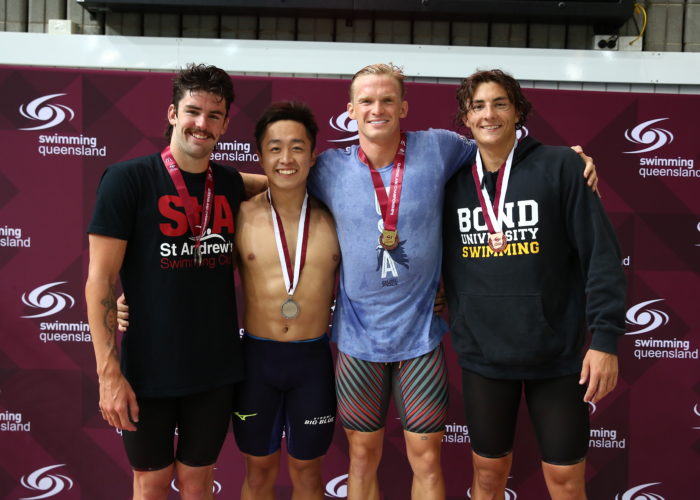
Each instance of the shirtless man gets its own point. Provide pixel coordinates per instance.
(289, 384)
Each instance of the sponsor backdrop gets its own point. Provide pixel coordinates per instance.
(59, 129)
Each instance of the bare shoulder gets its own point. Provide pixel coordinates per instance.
(251, 207)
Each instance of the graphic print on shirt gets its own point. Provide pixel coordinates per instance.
(387, 260)
(217, 249)
(520, 220)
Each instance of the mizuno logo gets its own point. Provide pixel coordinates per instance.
(243, 417)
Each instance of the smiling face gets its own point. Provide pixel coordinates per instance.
(286, 154)
(377, 106)
(198, 123)
(491, 117)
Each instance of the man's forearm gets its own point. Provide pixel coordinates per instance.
(102, 317)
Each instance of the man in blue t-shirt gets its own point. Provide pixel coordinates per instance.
(386, 195)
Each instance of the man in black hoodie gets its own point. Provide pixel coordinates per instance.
(530, 262)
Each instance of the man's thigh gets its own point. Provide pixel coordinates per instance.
(420, 388)
(363, 389)
(258, 410)
(150, 446)
(491, 409)
(310, 405)
(203, 422)
(560, 418)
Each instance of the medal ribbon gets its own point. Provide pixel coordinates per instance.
(187, 202)
(494, 221)
(389, 205)
(291, 276)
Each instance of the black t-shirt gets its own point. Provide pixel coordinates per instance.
(183, 328)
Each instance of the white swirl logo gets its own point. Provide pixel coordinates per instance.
(49, 484)
(652, 137)
(633, 493)
(696, 410)
(521, 133)
(216, 487)
(647, 319)
(343, 123)
(52, 114)
(591, 407)
(337, 487)
(51, 302)
(508, 494)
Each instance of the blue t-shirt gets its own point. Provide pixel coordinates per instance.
(384, 308)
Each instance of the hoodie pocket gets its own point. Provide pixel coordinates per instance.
(508, 329)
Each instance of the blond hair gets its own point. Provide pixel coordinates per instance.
(379, 69)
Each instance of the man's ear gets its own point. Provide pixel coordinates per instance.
(404, 109)
(351, 111)
(172, 114)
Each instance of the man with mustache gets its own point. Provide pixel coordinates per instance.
(164, 224)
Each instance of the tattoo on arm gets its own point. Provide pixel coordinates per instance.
(110, 319)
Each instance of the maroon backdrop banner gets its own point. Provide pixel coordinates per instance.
(60, 129)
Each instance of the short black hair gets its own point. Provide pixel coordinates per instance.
(202, 78)
(287, 110)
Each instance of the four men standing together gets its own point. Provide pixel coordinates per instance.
(386, 198)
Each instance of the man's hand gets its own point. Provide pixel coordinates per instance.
(122, 314)
(118, 402)
(589, 172)
(600, 372)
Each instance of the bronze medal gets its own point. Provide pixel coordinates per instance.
(290, 309)
(498, 242)
(389, 239)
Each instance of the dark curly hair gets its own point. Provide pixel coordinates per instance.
(466, 90)
(200, 77)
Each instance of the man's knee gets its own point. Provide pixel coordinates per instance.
(566, 481)
(365, 450)
(491, 474)
(305, 474)
(261, 472)
(194, 482)
(152, 485)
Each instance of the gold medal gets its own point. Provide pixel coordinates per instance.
(498, 242)
(389, 239)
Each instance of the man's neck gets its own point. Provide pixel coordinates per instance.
(492, 158)
(288, 201)
(380, 153)
(188, 164)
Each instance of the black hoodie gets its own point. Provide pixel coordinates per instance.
(523, 313)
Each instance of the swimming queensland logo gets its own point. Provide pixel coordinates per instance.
(50, 114)
(646, 319)
(644, 135)
(216, 487)
(337, 487)
(636, 493)
(647, 137)
(343, 123)
(508, 494)
(50, 302)
(46, 485)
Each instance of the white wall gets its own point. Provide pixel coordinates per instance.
(670, 72)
